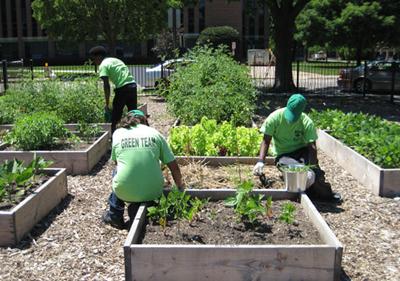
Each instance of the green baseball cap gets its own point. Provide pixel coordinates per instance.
(136, 112)
(295, 107)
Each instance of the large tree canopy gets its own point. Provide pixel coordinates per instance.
(359, 26)
(110, 20)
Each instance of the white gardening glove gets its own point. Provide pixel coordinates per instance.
(258, 169)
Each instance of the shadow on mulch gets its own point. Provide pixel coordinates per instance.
(328, 207)
(344, 276)
(44, 224)
(378, 105)
(100, 165)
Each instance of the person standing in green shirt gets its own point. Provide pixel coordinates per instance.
(292, 135)
(114, 70)
(137, 150)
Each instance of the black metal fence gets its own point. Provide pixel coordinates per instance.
(334, 77)
(147, 76)
(317, 77)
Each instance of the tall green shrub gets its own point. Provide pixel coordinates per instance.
(213, 85)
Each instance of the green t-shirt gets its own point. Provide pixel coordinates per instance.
(116, 71)
(288, 137)
(138, 152)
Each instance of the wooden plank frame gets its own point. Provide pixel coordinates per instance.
(381, 182)
(78, 162)
(235, 262)
(17, 222)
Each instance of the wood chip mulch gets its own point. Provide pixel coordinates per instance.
(72, 243)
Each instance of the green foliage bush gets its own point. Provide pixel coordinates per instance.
(371, 136)
(40, 130)
(213, 85)
(211, 139)
(72, 101)
(217, 35)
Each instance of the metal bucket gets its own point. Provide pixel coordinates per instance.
(295, 181)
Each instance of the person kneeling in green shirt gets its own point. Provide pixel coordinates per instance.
(137, 150)
(293, 135)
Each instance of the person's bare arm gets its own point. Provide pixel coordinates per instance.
(312, 153)
(106, 87)
(176, 174)
(264, 147)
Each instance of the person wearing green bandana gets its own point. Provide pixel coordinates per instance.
(292, 136)
(114, 70)
(137, 150)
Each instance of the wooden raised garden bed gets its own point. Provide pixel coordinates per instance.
(382, 182)
(75, 162)
(234, 262)
(18, 221)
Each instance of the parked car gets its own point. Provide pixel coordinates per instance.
(379, 75)
(160, 72)
(321, 55)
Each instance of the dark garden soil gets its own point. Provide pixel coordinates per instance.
(11, 200)
(201, 176)
(218, 225)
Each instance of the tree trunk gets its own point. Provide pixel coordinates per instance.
(284, 29)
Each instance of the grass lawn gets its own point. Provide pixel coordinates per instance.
(322, 68)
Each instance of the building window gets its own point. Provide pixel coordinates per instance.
(191, 20)
(202, 18)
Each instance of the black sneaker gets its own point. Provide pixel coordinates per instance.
(117, 223)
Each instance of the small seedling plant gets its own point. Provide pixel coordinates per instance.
(288, 213)
(16, 179)
(249, 207)
(177, 205)
(296, 168)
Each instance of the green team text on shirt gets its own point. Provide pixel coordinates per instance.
(288, 137)
(138, 152)
(116, 71)
(138, 142)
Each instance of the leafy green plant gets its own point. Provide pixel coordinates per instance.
(288, 213)
(41, 130)
(177, 206)
(88, 131)
(217, 35)
(371, 136)
(73, 102)
(213, 85)
(296, 168)
(211, 139)
(16, 180)
(249, 207)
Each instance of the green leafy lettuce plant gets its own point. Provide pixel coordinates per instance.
(249, 207)
(16, 180)
(213, 85)
(211, 139)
